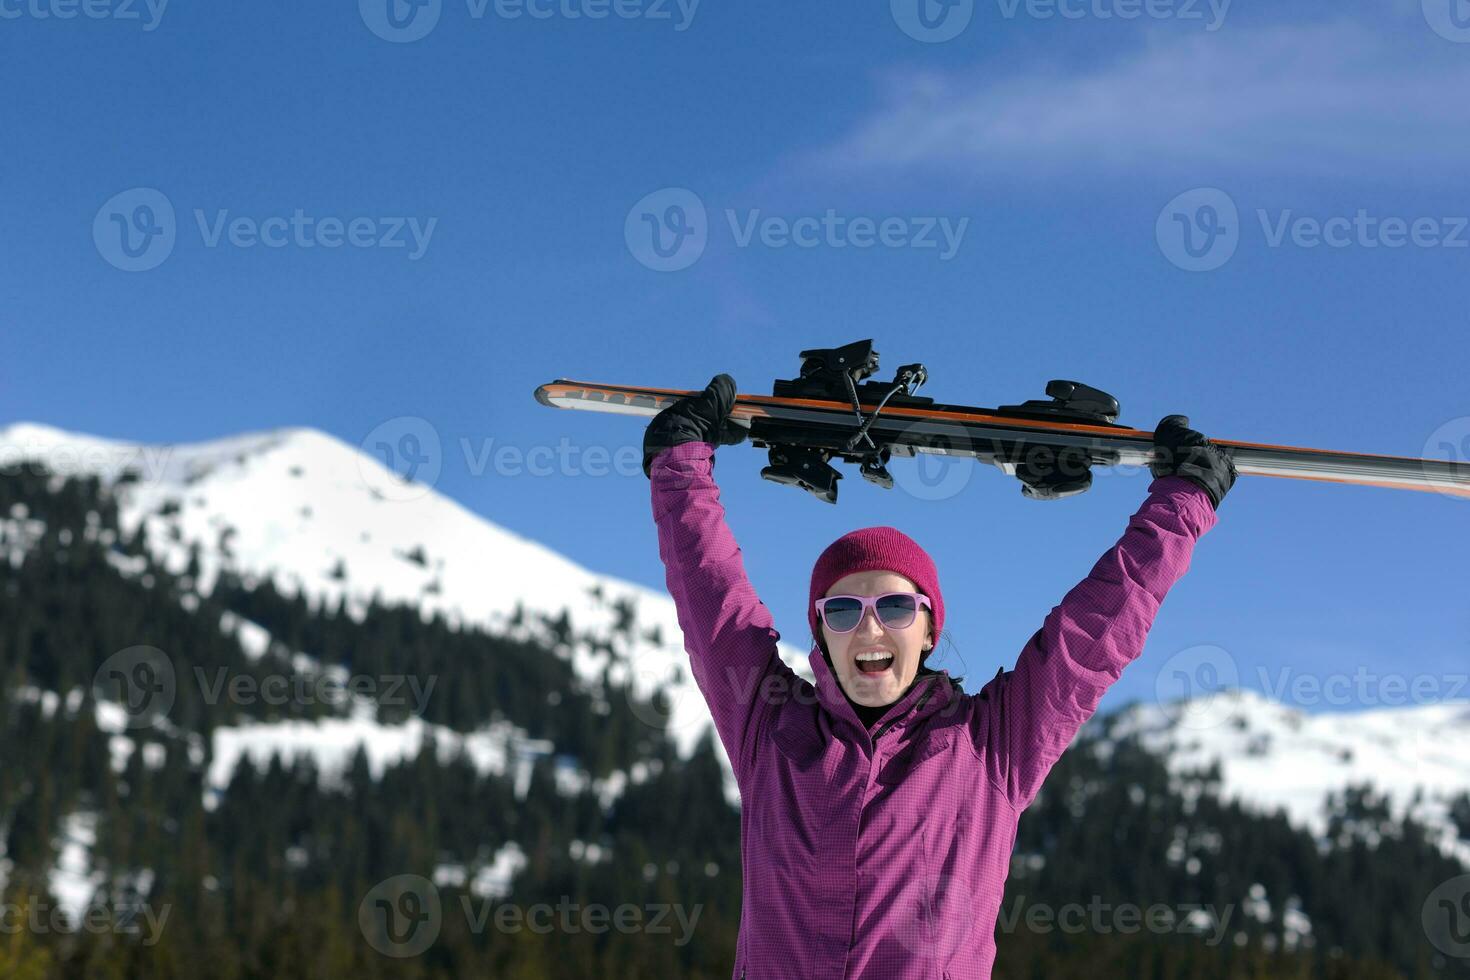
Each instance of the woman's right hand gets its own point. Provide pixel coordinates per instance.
(694, 418)
(1182, 451)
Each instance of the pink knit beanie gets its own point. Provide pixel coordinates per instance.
(876, 549)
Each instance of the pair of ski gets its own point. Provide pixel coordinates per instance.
(833, 412)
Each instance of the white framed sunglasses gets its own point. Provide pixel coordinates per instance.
(895, 610)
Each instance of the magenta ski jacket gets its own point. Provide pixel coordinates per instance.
(885, 856)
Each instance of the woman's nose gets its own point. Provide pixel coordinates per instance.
(870, 617)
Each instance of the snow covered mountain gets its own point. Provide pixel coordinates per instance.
(329, 521)
(1274, 757)
(326, 519)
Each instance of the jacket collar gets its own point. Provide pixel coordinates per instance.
(930, 692)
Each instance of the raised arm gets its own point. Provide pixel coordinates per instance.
(1025, 718)
(728, 631)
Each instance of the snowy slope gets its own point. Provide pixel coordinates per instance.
(1274, 757)
(297, 505)
(294, 504)
(327, 520)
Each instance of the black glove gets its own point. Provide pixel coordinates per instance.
(694, 418)
(1181, 451)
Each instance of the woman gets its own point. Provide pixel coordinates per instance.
(879, 807)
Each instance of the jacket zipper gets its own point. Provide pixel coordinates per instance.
(894, 721)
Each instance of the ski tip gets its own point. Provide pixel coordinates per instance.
(543, 395)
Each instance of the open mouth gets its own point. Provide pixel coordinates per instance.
(874, 662)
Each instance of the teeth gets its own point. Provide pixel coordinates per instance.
(874, 655)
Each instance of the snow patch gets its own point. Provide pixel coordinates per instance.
(72, 879)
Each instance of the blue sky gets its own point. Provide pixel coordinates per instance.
(1068, 149)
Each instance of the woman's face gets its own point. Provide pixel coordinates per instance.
(885, 680)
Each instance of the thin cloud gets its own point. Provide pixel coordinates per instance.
(1312, 99)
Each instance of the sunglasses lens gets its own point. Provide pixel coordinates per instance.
(841, 614)
(897, 610)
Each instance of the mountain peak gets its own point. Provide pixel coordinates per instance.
(326, 519)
